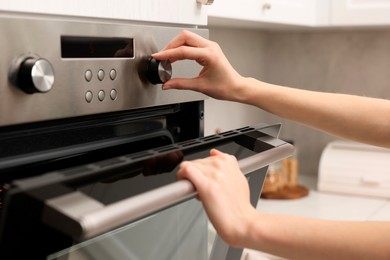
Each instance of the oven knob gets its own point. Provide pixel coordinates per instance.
(159, 71)
(35, 75)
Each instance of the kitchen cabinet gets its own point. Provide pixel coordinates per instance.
(168, 11)
(255, 12)
(303, 13)
(360, 12)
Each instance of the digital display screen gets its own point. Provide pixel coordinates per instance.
(96, 47)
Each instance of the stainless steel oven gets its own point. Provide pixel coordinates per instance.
(89, 144)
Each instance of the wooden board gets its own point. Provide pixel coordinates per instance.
(286, 193)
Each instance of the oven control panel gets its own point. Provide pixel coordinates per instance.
(36, 75)
(53, 68)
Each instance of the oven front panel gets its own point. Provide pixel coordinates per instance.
(37, 209)
(85, 129)
(88, 67)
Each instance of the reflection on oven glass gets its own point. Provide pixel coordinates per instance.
(165, 163)
(173, 234)
(1, 195)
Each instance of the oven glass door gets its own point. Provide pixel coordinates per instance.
(176, 233)
(127, 207)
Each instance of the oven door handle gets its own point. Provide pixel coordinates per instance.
(83, 217)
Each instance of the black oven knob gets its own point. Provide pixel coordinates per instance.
(35, 75)
(159, 71)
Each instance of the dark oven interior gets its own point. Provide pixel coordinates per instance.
(31, 150)
(34, 148)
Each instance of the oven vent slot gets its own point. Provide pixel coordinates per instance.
(166, 148)
(210, 138)
(245, 129)
(189, 143)
(229, 133)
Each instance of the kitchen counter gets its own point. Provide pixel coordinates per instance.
(325, 206)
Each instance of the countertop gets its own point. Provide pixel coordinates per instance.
(323, 205)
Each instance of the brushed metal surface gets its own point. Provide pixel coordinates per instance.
(42, 75)
(40, 36)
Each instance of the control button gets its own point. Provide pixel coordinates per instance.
(159, 71)
(113, 94)
(113, 74)
(88, 75)
(100, 75)
(35, 75)
(89, 96)
(101, 95)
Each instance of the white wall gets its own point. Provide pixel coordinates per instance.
(242, 48)
(355, 62)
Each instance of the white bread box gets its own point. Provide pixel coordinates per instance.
(353, 168)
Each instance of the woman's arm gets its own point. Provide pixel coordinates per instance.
(357, 118)
(307, 238)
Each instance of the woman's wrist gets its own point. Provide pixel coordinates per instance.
(248, 90)
(247, 231)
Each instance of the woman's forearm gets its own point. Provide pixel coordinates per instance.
(357, 118)
(305, 238)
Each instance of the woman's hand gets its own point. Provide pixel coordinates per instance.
(217, 79)
(224, 192)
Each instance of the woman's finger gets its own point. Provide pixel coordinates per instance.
(183, 53)
(184, 84)
(187, 38)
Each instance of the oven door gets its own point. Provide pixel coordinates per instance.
(130, 206)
